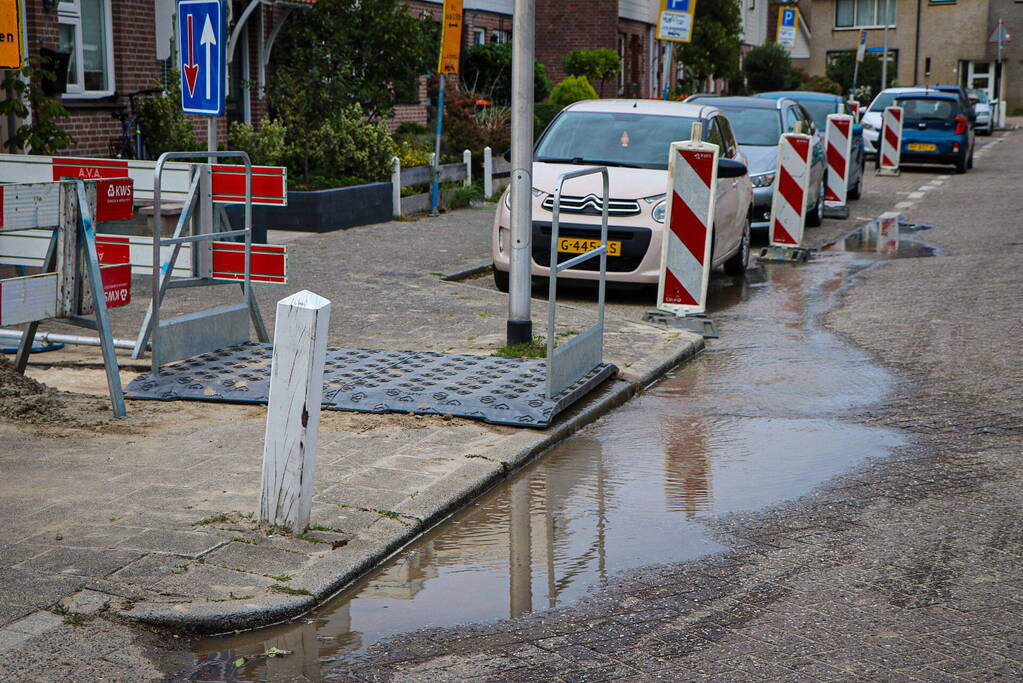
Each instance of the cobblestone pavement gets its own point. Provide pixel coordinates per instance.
(907, 569)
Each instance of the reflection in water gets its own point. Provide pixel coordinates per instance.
(751, 422)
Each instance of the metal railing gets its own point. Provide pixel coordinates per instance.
(579, 355)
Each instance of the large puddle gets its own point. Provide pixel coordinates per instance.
(754, 421)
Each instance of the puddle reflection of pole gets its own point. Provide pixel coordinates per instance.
(520, 561)
(548, 509)
(687, 467)
(601, 520)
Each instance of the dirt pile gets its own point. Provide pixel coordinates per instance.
(23, 398)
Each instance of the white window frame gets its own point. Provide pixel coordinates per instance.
(479, 36)
(499, 36)
(878, 9)
(69, 12)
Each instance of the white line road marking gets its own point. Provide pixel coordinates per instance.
(917, 195)
(904, 205)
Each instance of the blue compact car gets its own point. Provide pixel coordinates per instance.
(819, 105)
(935, 130)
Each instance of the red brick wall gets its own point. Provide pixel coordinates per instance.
(566, 25)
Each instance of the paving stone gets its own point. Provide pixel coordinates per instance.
(258, 559)
(190, 544)
(80, 561)
(36, 623)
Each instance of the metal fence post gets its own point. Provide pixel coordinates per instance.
(488, 172)
(467, 160)
(395, 187)
(293, 410)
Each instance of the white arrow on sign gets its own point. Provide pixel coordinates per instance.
(208, 39)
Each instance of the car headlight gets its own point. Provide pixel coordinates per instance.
(507, 196)
(762, 179)
(658, 213)
(868, 126)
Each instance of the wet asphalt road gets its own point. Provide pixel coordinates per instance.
(905, 569)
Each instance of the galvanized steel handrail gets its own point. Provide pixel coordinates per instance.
(158, 241)
(556, 379)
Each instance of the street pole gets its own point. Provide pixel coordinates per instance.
(668, 53)
(884, 52)
(211, 137)
(435, 184)
(520, 323)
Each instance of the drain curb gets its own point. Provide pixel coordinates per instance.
(329, 574)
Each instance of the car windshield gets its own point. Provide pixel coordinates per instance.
(754, 126)
(926, 108)
(884, 100)
(612, 138)
(981, 96)
(819, 110)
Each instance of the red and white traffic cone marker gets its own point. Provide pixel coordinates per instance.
(788, 206)
(891, 142)
(838, 143)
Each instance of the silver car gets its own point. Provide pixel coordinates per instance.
(758, 123)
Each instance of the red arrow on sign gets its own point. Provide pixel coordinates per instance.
(191, 69)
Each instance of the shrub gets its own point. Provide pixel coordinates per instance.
(43, 135)
(409, 129)
(266, 146)
(597, 65)
(572, 89)
(164, 125)
(822, 84)
(351, 146)
(413, 154)
(468, 125)
(487, 72)
(768, 67)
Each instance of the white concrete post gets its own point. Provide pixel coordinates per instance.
(488, 172)
(467, 160)
(395, 186)
(293, 412)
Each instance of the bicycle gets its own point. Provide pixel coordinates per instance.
(131, 144)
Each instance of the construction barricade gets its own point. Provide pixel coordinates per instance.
(788, 205)
(890, 142)
(838, 144)
(688, 235)
(73, 279)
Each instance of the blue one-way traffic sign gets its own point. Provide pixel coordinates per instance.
(203, 68)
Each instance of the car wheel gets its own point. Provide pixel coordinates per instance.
(961, 164)
(816, 217)
(856, 191)
(736, 266)
(969, 162)
(501, 280)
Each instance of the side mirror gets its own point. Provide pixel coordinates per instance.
(730, 168)
(507, 155)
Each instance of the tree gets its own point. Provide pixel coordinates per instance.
(768, 67)
(345, 52)
(487, 71)
(842, 65)
(28, 95)
(599, 64)
(714, 50)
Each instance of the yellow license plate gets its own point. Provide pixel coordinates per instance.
(571, 245)
(918, 147)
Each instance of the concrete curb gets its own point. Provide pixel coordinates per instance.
(480, 472)
(468, 272)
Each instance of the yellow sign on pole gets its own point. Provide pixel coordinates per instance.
(10, 35)
(451, 37)
(675, 20)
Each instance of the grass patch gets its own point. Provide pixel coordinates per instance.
(389, 513)
(534, 348)
(309, 539)
(280, 588)
(283, 578)
(215, 519)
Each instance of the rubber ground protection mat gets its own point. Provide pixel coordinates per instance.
(507, 391)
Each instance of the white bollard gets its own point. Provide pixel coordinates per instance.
(467, 160)
(396, 187)
(488, 172)
(293, 410)
(890, 147)
(689, 223)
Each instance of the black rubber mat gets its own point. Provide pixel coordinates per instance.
(508, 391)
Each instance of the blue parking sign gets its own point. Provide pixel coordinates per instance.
(788, 17)
(203, 62)
(677, 6)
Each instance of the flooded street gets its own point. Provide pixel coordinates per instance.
(755, 421)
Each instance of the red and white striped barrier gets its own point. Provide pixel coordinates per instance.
(788, 206)
(888, 233)
(854, 107)
(891, 141)
(685, 255)
(839, 149)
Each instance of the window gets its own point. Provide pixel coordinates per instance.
(791, 117)
(857, 13)
(84, 33)
(479, 36)
(499, 37)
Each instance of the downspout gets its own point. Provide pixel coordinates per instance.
(916, 49)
